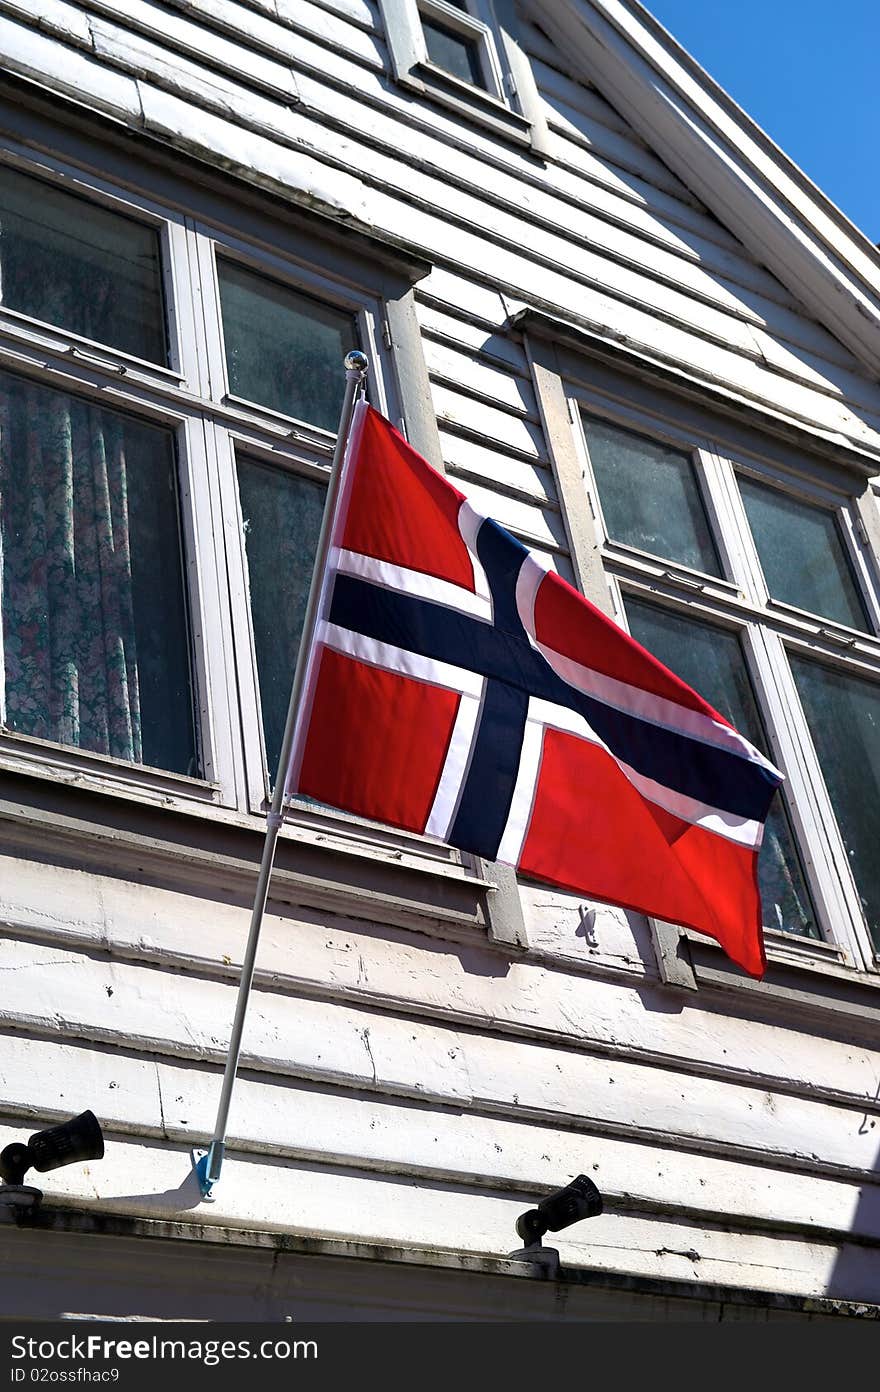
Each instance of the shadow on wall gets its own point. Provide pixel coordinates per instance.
(856, 1271)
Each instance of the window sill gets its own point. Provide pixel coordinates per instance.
(471, 103)
(102, 773)
(804, 978)
(168, 834)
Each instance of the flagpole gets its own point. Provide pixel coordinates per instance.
(210, 1163)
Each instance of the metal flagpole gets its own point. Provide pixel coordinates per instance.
(209, 1163)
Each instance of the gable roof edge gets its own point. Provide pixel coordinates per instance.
(724, 158)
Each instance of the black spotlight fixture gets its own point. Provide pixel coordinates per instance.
(575, 1201)
(77, 1139)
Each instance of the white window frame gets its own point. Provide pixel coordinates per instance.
(768, 629)
(414, 882)
(241, 428)
(476, 24)
(509, 104)
(158, 395)
(191, 397)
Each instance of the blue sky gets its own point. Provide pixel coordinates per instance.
(808, 72)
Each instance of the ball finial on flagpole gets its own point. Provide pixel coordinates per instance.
(358, 362)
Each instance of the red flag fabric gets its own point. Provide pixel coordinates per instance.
(457, 688)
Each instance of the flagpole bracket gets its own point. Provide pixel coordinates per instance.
(207, 1164)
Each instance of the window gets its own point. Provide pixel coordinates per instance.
(711, 660)
(81, 267)
(741, 567)
(283, 348)
(802, 554)
(281, 519)
(459, 45)
(170, 390)
(464, 54)
(843, 715)
(95, 648)
(169, 397)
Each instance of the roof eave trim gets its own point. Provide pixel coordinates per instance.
(585, 339)
(727, 162)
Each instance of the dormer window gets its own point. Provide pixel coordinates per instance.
(465, 55)
(458, 43)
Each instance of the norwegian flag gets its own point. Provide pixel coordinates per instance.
(456, 688)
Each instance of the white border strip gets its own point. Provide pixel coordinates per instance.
(399, 660)
(469, 524)
(455, 768)
(739, 829)
(655, 710)
(411, 582)
(520, 815)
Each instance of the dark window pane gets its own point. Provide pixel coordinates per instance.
(95, 642)
(284, 349)
(711, 661)
(843, 713)
(453, 51)
(282, 519)
(802, 554)
(650, 497)
(78, 265)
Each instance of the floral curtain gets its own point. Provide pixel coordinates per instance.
(70, 650)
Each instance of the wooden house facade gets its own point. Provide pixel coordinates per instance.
(630, 329)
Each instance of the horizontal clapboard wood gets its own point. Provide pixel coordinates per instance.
(311, 953)
(187, 35)
(362, 12)
(691, 262)
(794, 325)
(621, 150)
(64, 994)
(461, 297)
(629, 253)
(157, 1099)
(461, 333)
(41, 57)
(486, 423)
(216, 89)
(329, 25)
(582, 96)
(154, 1180)
(496, 469)
(478, 378)
(345, 42)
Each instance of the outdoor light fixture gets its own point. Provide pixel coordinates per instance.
(77, 1139)
(577, 1200)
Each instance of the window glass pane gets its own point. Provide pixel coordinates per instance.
(802, 554)
(843, 713)
(711, 661)
(95, 645)
(453, 52)
(281, 513)
(650, 497)
(78, 265)
(284, 349)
